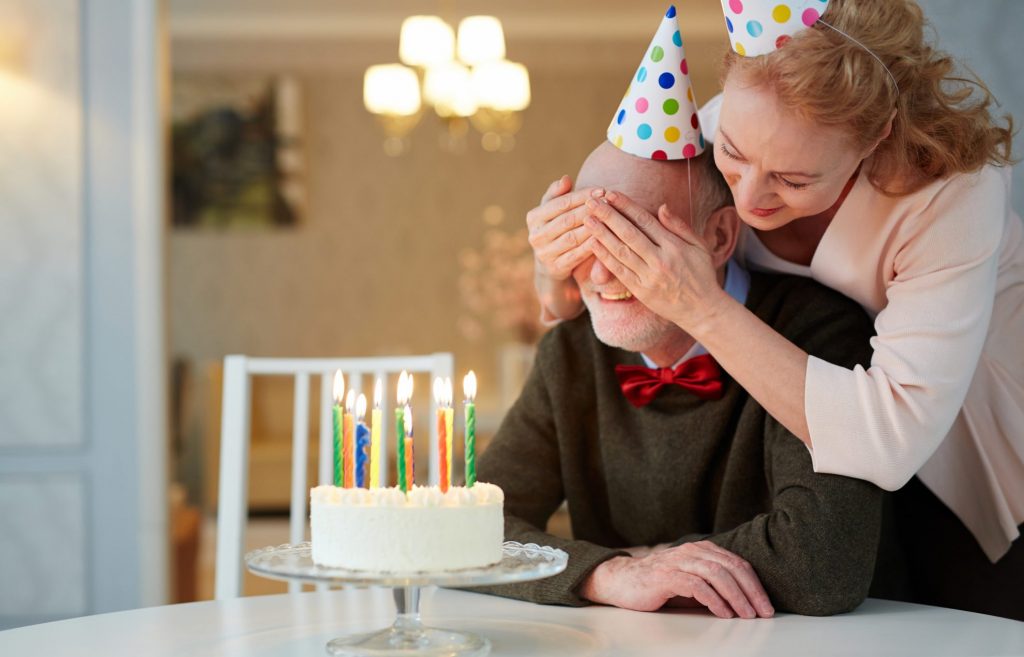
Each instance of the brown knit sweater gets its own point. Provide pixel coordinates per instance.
(683, 469)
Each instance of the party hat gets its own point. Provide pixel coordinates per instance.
(657, 118)
(759, 27)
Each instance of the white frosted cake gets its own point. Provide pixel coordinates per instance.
(383, 529)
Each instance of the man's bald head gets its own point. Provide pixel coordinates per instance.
(653, 182)
(619, 319)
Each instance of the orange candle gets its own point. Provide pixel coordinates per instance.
(442, 434)
(348, 450)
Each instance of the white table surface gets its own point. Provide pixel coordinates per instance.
(301, 624)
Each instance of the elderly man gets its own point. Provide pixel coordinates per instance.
(680, 488)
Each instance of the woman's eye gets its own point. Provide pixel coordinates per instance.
(725, 152)
(792, 185)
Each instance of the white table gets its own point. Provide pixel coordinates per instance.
(301, 624)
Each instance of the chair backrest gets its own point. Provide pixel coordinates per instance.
(232, 506)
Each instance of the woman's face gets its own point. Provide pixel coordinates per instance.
(779, 165)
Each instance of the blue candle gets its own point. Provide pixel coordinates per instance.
(362, 441)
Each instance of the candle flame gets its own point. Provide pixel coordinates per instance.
(360, 407)
(339, 386)
(408, 387)
(408, 422)
(378, 392)
(439, 391)
(449, 392)
(469, 386)
(403, 396)
(350, 401)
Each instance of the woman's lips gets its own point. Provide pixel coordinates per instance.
(761, 212)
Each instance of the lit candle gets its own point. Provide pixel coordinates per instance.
(440, 399)
(376, 418)
(339, 395)
(400, 431)
(362, 438)
(410, 461)
(469, 388)
(449, 423)
(348, 441)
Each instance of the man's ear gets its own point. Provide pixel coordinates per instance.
(721, 233)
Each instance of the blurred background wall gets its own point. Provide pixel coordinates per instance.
(413, 253)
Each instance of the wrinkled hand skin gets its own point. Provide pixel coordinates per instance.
(560, 241)
(693, 574)
(659, 259)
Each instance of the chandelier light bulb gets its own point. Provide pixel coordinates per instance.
(481, 39)
(391, 89)
(449, 88)
(502, 86)
(426, 41)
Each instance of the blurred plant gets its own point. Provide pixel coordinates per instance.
(496, 286)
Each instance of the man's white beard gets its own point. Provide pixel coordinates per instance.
(631, 329)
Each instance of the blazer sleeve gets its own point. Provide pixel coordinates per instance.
(882, 423)
(523, 459)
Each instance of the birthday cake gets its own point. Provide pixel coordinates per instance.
(387, 530)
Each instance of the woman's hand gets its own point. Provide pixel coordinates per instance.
(559, 240)
(660, 260)
(560, 244)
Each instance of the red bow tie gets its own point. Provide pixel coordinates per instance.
(700, 375)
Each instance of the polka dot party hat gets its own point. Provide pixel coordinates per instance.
(759, 27)
(657, 118)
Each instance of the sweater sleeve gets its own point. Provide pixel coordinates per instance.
(523, 459)
(882, 423)
(815, 550)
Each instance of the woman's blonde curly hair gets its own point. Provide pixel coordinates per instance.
(943, 124)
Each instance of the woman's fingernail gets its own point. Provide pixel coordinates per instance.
(597, 193)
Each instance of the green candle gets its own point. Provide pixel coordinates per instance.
(339, 393)
(469, 387)
(403, 398)
(400, 445)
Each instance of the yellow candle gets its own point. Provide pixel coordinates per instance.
(449, 424)
(376, 418)
(442, 437)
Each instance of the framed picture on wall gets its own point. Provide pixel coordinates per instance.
(236, 148)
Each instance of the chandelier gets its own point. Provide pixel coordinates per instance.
(466, 80)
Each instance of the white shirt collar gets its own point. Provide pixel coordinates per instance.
(737, 286)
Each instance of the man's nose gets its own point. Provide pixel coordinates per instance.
(599, 274)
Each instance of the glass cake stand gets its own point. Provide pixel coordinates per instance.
(408, 636)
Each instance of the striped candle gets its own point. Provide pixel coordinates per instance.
(442, 436)
(400, 432)
(469, 387)
(338, 417)
(376, 418)
(348, 441)
(449, 425)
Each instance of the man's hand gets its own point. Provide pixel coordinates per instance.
(702, 572)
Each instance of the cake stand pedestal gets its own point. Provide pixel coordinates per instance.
(408, 636)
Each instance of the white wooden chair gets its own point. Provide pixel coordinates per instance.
(232, 509)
